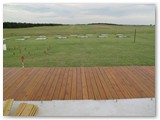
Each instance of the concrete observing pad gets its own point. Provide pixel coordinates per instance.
(21, 39)
(82, 36)
(41, 38)
(62, 37)
(103, 36)
(121, 36)
(121, 107)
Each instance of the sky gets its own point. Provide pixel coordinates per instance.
(80, 13)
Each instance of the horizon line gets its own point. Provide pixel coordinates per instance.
(91, 23)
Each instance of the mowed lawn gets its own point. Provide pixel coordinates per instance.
(73, 51)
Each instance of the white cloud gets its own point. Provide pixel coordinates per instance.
(80, 13)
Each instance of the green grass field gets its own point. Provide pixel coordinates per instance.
(73, 51)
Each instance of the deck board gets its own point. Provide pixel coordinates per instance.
(64, 85)
(74, 85)
(108, 83)
(99, 84)
(84, 84)
(111, 83)
(77, 83)
(89, 85)
(59, 84)
(94, 85)
(53, 85)
(68, 85)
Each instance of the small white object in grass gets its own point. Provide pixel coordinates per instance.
(101, 36)
(82, 36)
(4, 47)
(40, 38)
(4, 39)
(61, 37)
(21, 39)
(120, 36)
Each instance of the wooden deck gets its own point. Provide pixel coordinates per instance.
(76, 83)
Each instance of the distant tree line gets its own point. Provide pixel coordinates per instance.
(102, 24)
(25, 25)
(118, 24)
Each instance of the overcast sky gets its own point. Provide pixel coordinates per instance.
(80, 13)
